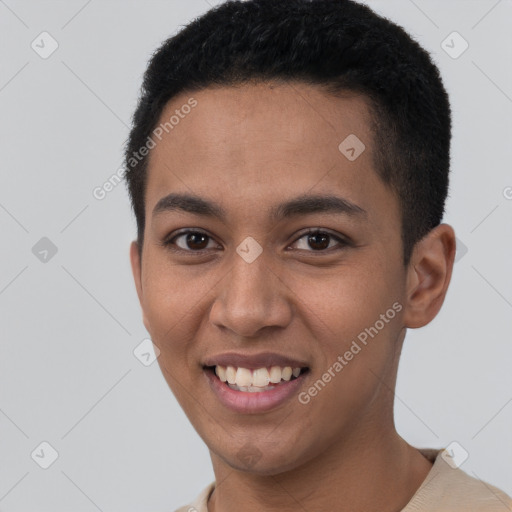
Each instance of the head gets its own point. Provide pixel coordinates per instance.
(312, 140)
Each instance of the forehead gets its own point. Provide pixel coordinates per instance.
(260, 142)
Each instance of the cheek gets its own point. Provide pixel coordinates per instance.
(173, 305)
(357, 355)
(173, 300)
(345, 301)
(354, 317)
(173, 293)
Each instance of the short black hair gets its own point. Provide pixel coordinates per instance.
(339, 45)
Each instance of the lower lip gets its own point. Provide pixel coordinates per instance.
(260, 401)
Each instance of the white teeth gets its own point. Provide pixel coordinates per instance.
(261, 379)
(250, 389)
(231, 374)
(286, 374)
(221, 373)
(243, 377)
(275, 374)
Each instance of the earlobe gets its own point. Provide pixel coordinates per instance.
(428, 276)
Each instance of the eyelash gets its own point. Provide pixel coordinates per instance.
(169, 243)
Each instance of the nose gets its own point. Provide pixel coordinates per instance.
(250, 298)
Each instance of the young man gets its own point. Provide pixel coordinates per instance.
(288, 168)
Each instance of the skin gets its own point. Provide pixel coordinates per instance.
(249, 148)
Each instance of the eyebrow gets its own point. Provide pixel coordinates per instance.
(302, 205)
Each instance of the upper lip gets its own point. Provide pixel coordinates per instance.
(253, 361)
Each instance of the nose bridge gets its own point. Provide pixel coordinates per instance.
(249, 285)
(250, 296)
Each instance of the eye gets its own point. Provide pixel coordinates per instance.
(191, 241)
(320, 240)
(198, 241)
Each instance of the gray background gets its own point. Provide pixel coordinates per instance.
(70, 324)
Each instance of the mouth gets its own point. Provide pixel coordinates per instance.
(255, 390)
(257, 380)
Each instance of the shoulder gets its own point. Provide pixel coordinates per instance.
(200, 503)
(476, 494)
(450, 489)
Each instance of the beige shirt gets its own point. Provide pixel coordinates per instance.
(445, 489)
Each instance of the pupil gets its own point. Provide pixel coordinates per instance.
(192, 239)
(313, 240)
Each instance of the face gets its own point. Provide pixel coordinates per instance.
(287, 254)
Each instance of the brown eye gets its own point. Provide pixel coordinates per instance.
(318, 240)
(190, 241)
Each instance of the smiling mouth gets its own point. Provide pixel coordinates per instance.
(257, 380)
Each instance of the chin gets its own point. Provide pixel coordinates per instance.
(258, 459)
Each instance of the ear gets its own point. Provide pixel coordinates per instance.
(136, 263)
(428, 276)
